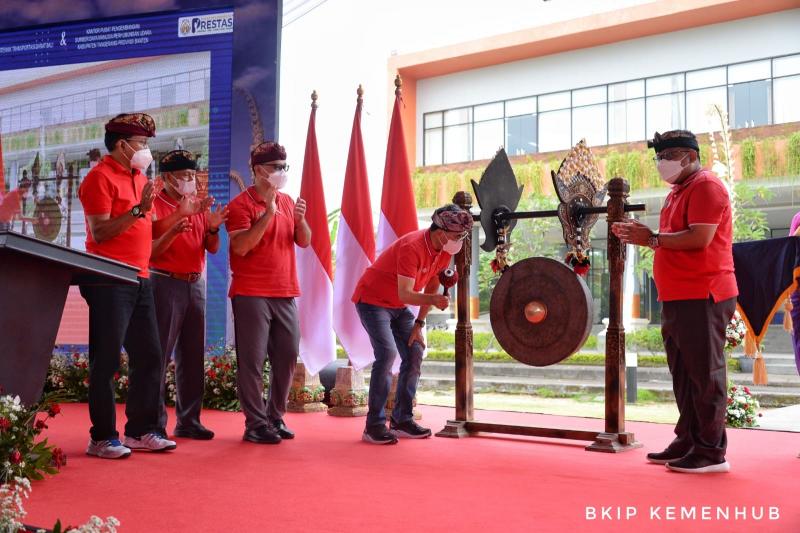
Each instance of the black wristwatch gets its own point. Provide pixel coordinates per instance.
(136, 211)
(420, 323)
(653, 241)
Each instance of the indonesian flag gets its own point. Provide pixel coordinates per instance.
(314, 270)
(398, 207)
(355, 250)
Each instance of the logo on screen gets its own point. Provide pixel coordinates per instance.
(205, 25)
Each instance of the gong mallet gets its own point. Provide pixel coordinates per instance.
(448, 278)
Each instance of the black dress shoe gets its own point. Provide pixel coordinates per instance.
(280, 427)
(662, 458)
(194, 432)
(695, 464)
(262, 435)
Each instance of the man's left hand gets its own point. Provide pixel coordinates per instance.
(416, 336)
(217, 216)
(299, 210)
(632, 232)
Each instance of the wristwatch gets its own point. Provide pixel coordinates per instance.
(653, 241)
(420, 323)
(136, 211)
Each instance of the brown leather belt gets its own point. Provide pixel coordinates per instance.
(190, 277)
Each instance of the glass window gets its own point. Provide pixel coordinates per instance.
(589, 123)
(433, 120)
(699, 108)
(592, 95)
(457, 143)
(626, 90)
(754, 70)
(749, 104)
(710, 77)
(786, 66)
(626, 121)
(197, 90)
(168, 94)
(488, 111)
(665, 84)
(488, 138)
(433, 147)
(521, 106)
(521, 135)
(665, 113)
(787, 104)
(554, 101)
(457, 116)
(554, 130)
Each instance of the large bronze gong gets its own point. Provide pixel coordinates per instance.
(541, 311)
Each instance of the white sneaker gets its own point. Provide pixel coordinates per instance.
(150, 442)
(108, 449)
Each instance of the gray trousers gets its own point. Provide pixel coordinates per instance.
(694, 338)
(265, 327)
(181, 316)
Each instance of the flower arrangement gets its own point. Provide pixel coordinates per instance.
(350, 398)
(12, 512)
(735, 332)
(69, 374)
(741, 408)
(307, 394)
(20, 426)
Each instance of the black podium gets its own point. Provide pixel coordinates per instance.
(34, 280)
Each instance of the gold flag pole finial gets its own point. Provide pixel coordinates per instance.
(314, 97)
(360, 93)
(398, 85)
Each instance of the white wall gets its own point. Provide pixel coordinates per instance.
(342, 43)
(758, 37)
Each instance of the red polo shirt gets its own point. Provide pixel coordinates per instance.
(697, 274)
(187, 253)
(110, 188)
(10, 205)
(410, 256)
(269, 269)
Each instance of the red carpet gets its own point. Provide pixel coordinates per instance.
(327, 480)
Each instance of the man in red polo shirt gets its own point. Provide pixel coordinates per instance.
(184, 229)
(264, 225)
(11, 204)
(394, 281)
(117, 199)
(693, 270)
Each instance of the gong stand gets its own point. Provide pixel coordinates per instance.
(613, 438)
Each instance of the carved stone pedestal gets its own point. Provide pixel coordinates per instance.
(349, 396)
(306, 393)
(614, 443)
(393, 394)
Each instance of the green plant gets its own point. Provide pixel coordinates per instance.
(793, 154)
(748, 148)
(648, 339)
(772, 163)
(749, 223)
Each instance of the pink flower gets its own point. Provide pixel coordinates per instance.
(54, 409)
(15, 457)
(5, 424)
(40, 425)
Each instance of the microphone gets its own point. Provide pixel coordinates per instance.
(448, 278)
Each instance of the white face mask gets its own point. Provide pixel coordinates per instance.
(186, 188)
(278, 179)
(670, 171)
(141, 159)
(452, 247)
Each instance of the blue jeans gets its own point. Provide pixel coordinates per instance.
(389, 330)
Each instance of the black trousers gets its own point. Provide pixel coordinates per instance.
(123, 316)
(181, 315)
(694, 339)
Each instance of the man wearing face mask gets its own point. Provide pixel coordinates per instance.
(264, 225)
(409, 265)
(184, 229)
(117, 199)
(693, 271)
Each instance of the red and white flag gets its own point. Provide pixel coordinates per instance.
(314, 270)
(355, 249)
(398, 206)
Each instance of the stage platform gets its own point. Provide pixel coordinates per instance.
(327, 480)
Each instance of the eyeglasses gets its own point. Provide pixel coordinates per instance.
(283, 167)
(141, 143)
(188, 176)
(458, 236)
(671, 156)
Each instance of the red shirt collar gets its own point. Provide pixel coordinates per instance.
(117, 166)
(688, 181)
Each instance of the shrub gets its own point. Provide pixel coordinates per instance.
(648, 339)
(793, 154)
(748, 148)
